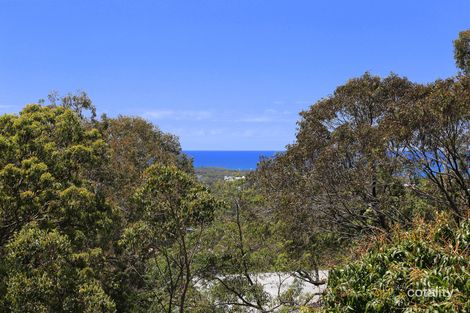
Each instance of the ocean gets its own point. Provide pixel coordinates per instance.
(234, 160)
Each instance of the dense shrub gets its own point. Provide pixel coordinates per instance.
(432, 258)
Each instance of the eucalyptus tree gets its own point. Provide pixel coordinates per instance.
(163, 238)
(375, 153)
(52, 210)
(78, 102)
(339, 175)
(432, 125)
(462, 51)
(135, 144)
(45, 274)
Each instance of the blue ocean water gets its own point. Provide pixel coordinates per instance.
(235, 160)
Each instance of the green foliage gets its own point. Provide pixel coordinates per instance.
(431, 127)
(94, 299)
(242, 244)
(163, 237)
(169, 194)
(431, 257)
(241, 235)
(375, 153)
(135, 144)
(44, 275)
(49, 168)
(66, 187)
(78, 102)
(212, 175)
(52, 214)
(462, 51)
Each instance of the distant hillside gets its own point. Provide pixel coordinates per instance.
(209, 175)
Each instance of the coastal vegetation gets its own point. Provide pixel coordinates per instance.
(109, 215)
(421, 270)
(211, 175)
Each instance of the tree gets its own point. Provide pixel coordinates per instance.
(163, 237)
(340, 174)
(51, 172)
(51, 176)
(136, 144)
(45, 275)
(241, 246)
(79, 102)
(75, 182)
(432, 128)
(462, 51)
(238, 244)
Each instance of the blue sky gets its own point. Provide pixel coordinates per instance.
(221, 74)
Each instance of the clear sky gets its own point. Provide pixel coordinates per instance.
(221, 74)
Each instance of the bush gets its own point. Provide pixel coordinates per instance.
(423, 270)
